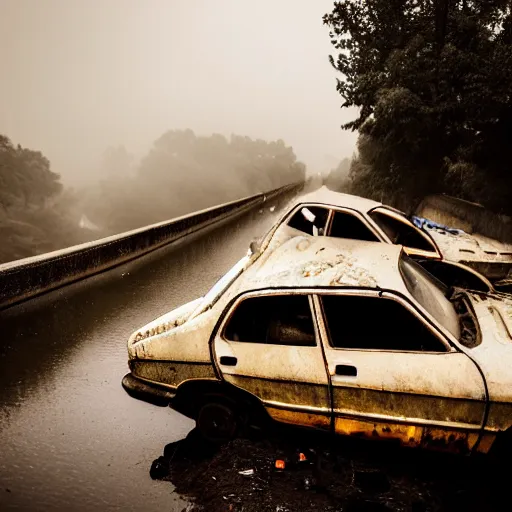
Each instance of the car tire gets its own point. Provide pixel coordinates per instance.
(217, 422)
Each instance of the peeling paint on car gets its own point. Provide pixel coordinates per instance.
(304, 419)
(458, 400)
(187, 342)
(489, 257)
(165, 322)
(171, 374)
(486, 255)
(449, 440)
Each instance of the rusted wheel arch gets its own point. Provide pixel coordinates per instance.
(193, 395)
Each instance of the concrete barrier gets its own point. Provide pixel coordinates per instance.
(471, 217)
(26, 278)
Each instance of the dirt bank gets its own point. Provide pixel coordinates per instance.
(337, 475)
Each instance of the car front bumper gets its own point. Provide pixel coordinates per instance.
(146, 391)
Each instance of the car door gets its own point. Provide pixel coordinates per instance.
(399, 230)
(268, 345)
(395, 376)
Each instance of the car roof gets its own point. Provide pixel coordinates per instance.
(309, 261)
(326, 196)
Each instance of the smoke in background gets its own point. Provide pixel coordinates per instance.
(182, 173)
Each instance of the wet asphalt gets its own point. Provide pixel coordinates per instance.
(70, 437)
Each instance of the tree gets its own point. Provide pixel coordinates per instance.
(117, 163)
(337, 178)
(433, 83)
(184, 172)
(25, 177)
(33, 217)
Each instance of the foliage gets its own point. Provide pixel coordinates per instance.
(338, 178)
(184, 172)
(25, 177)
(33, 218)
(433, 82)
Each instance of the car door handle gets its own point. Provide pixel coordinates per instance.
(346, 369)
(228, 360)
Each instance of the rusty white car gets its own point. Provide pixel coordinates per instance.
(488, 256)
(346, 336)
(334, 214)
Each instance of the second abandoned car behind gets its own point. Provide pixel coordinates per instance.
(342, 335)
(334, 214)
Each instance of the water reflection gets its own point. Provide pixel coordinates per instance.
(71, 437)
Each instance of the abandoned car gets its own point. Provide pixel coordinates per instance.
(328, 213)
(347, 336)
(485, 255)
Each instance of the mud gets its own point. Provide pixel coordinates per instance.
(338, 475)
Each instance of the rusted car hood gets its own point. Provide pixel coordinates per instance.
(494, 354)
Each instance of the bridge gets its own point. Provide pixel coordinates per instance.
(71, 438)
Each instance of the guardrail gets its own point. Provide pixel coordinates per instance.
(26, 278)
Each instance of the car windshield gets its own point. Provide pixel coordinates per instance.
(220, 287)
(430, 293)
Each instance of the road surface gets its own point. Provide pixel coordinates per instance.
(71, 438)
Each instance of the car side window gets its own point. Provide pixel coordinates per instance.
(308, 218)
(373, 323)
(347, 225)
(272, 319)
(400, 232)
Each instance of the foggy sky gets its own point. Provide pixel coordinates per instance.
(81, 75)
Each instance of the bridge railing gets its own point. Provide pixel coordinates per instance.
(28, 277)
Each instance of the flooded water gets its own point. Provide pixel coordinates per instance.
(71, 438)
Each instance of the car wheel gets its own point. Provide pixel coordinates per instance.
(217, 422)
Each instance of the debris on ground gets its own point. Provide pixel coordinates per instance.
(280, 464)
(348, 476)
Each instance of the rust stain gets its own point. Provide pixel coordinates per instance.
(315, 268)
(303, 245)
(408, 435)
(456, 441)
(345, 268)
(486, 442)
(171, 373)
(304, 419)
(449, 440)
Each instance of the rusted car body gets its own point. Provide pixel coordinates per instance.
(328, 213)
(341, 335)
(482, 238)
(485, 255)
